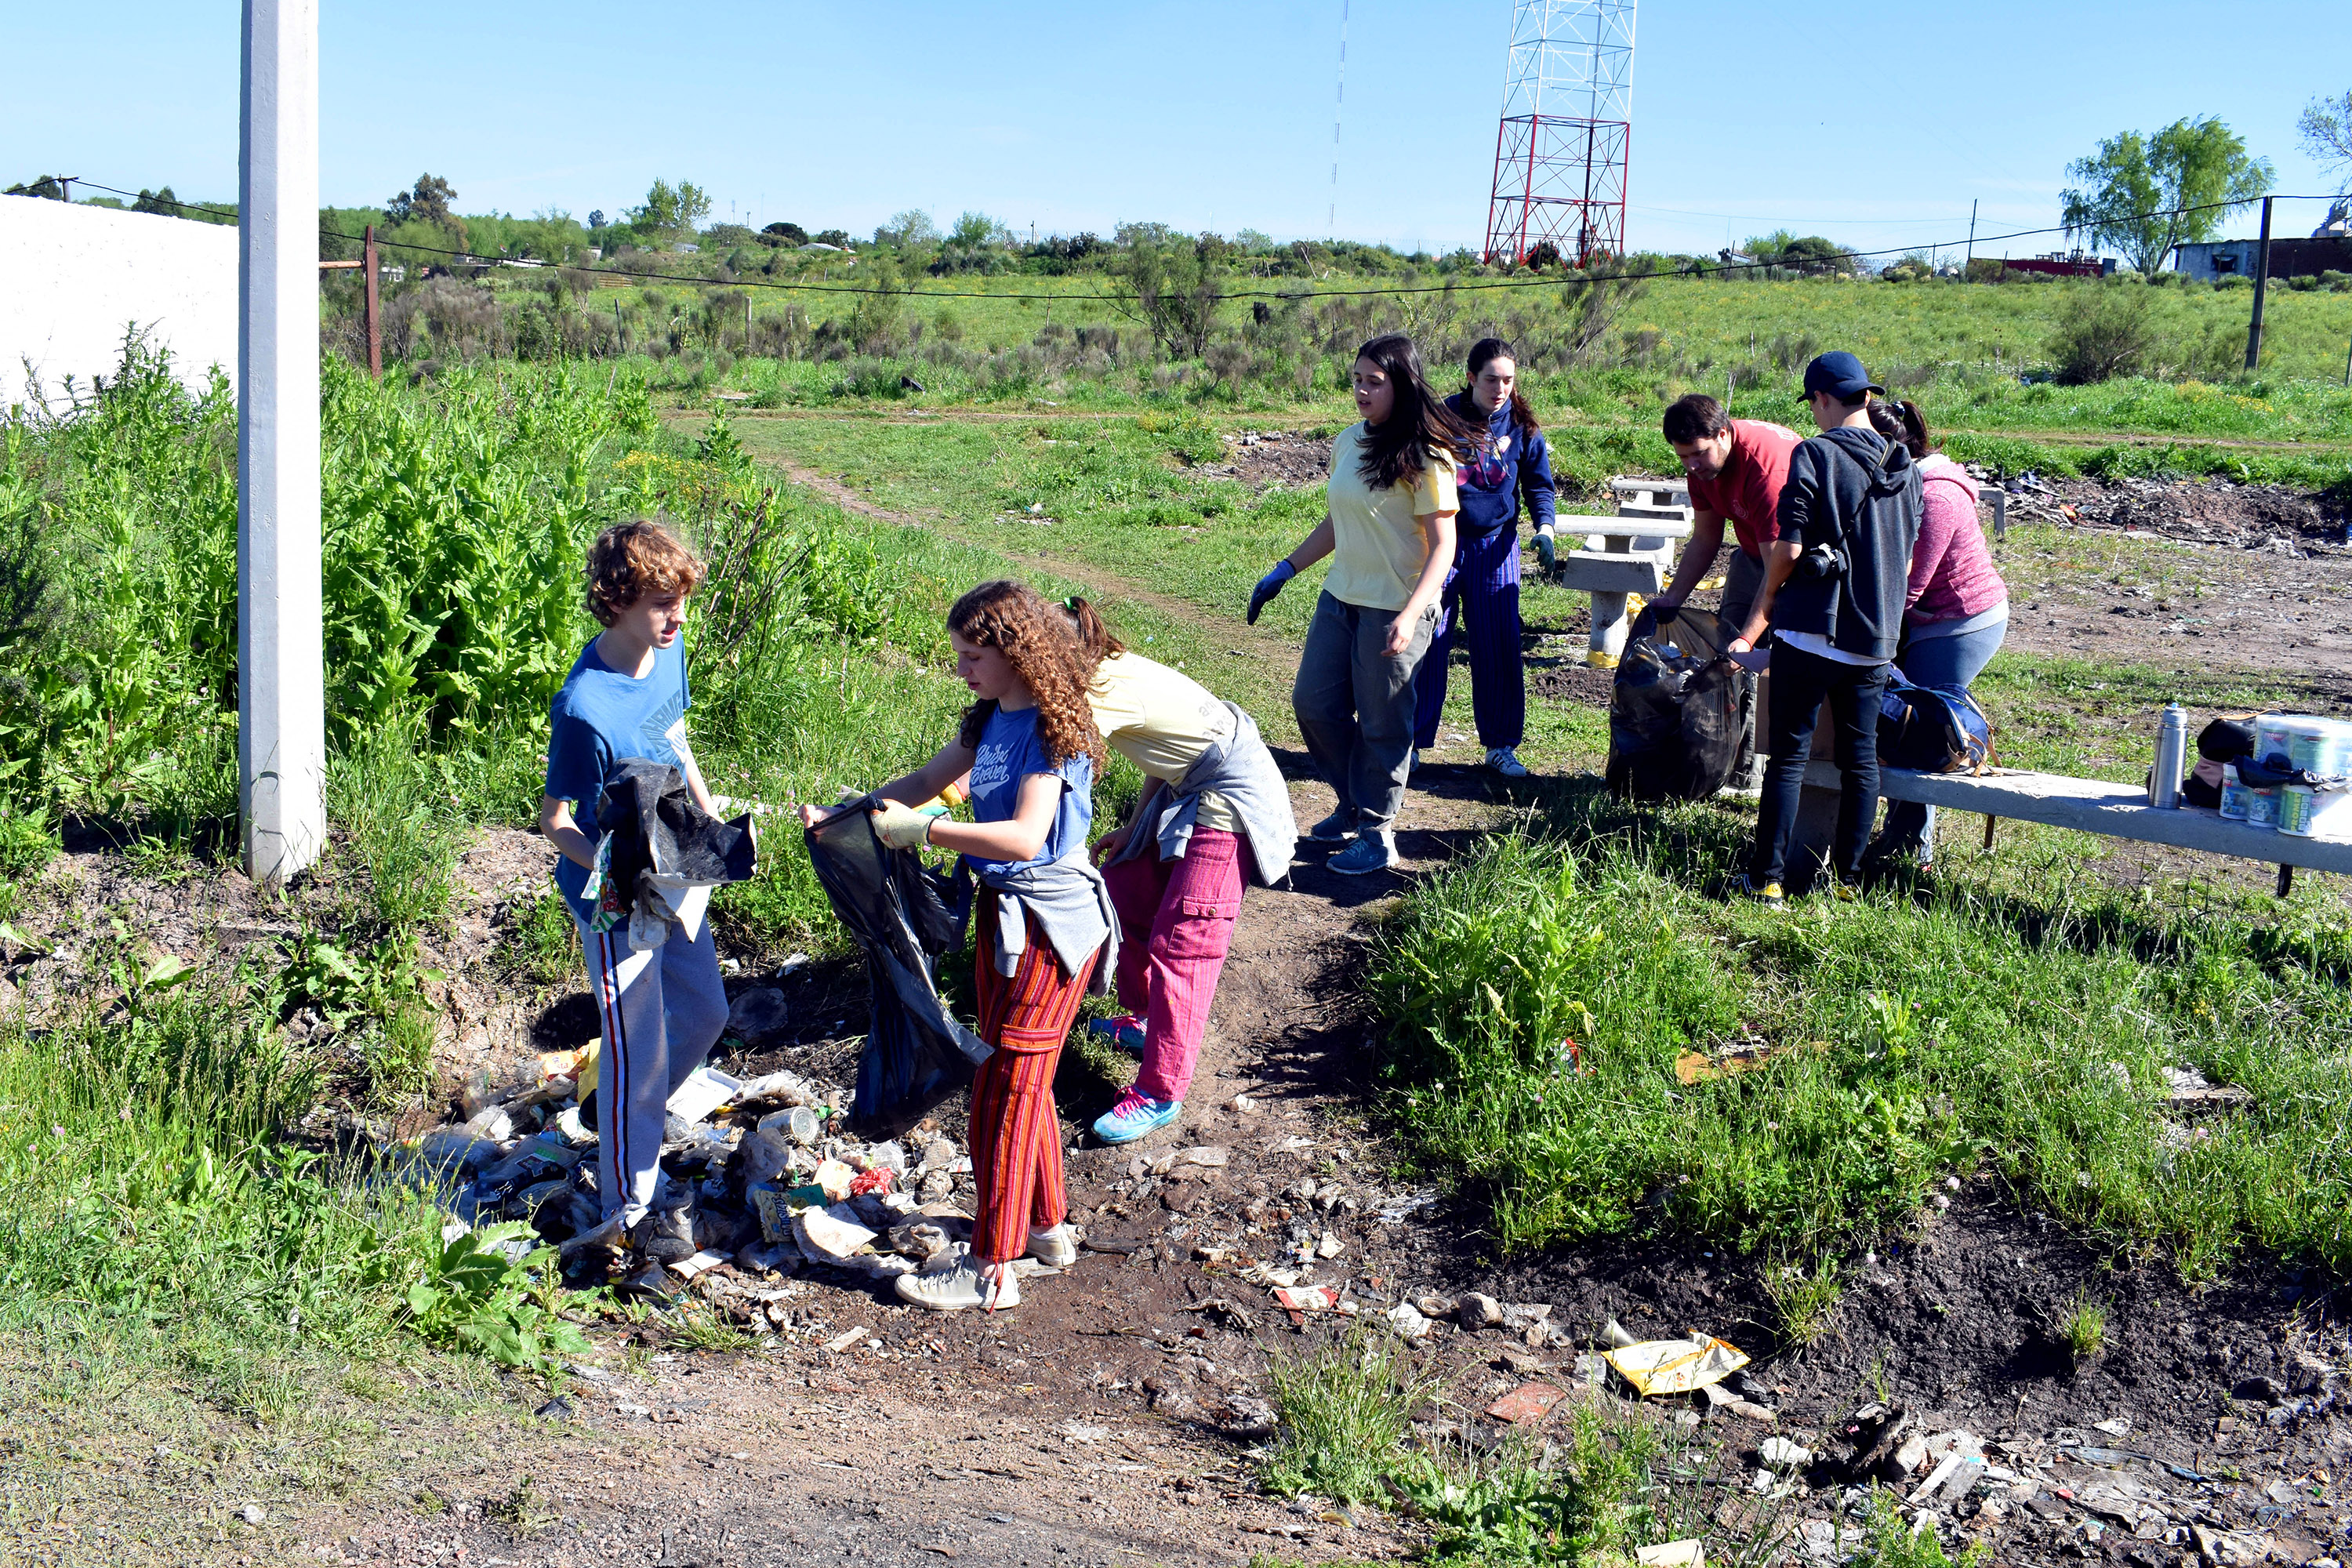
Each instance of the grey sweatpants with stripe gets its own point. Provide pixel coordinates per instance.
(661, 1011)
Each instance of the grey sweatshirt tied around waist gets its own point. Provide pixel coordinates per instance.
(1072, 906)
(1241, 770)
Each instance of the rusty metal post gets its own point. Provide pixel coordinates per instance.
(374, 324)
(2261, 287)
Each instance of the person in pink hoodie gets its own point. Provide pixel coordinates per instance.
(1958, 606)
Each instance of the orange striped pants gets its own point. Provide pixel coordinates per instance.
(1015, 1133)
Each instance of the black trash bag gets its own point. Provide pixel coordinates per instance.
(1680, 709)
(657, 830)
(916, 1053)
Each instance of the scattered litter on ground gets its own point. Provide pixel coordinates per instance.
(1405, 1204)
(1672, 1554)
(1527, 1404)
(1745, 1056)
(1675, 1366)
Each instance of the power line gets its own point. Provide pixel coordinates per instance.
(1703, 270)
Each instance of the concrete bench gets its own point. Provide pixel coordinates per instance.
(1633, 552)
(1621, 555)
(2086, 806)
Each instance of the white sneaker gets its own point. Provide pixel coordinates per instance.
(1505, 761)
(1056, 1248)
(959, 1288)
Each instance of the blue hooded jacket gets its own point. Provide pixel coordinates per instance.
(1511, 460)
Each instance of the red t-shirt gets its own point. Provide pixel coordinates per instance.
(1748, 490)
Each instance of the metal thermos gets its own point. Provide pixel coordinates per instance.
(2171, 757)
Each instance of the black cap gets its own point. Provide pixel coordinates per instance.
(1841, 374)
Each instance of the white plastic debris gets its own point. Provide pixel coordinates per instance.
(706, 1088)
(1672, 1554)
(831, 1233)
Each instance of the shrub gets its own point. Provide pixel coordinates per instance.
(2103, 333)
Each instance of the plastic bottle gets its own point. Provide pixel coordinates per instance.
(2171, 758)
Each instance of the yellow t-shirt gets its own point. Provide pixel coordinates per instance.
(1377, 546)
(1161, 720)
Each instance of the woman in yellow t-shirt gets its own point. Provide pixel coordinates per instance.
(1213, 817)
(1388, 530)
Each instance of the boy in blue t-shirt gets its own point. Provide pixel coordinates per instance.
(661, 1010)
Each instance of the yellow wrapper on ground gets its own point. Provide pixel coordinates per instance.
(1675, 1366)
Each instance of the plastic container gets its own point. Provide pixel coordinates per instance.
(2270, 735)
(2235, 796)
(2285, 734)
(2262, 807)
(2321, 746)
(2310, 814)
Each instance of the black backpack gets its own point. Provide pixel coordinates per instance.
(1932, 728)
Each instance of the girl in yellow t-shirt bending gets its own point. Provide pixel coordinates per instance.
(1214, 817)
(1388, 530)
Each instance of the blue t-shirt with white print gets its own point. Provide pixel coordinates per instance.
(599, 717)
(1010, 751)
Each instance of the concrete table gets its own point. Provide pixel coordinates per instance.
(2086, 806)
(1621, 555)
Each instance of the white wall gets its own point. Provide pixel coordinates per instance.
(72, 278)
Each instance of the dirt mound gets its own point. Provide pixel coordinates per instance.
(2203, 511)
(1263, 459)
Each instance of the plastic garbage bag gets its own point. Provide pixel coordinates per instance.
(1680, 709)
(916, 1052)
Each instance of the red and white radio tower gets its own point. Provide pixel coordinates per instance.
(1561, 151)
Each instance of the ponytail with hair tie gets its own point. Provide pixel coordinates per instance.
(1096, 642)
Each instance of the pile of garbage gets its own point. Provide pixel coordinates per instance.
(760, 1175)
(2071, 1490)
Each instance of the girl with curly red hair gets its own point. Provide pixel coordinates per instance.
(1026, 755)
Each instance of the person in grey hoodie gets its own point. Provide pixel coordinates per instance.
(1835, 587)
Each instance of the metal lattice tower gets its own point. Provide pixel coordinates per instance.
(1562, 150)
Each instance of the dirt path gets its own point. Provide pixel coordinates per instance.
(1107, 1419)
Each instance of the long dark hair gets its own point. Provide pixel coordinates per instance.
(1486, 351)
(1902, 421)
(1096, 642)
(1418, 424)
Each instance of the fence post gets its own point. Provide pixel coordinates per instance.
(2261, 287)
(281, 677)
(374, 322)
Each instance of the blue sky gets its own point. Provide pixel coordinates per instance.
(1874, 125)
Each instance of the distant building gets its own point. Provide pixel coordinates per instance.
(2324, 252)
(78, 278)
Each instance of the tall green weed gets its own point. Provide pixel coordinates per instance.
(1974, 1030)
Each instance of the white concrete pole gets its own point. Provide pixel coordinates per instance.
(282, 728)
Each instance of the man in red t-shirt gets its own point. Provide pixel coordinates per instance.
(1736, 468)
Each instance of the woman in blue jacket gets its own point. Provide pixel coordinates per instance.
(1481, 592)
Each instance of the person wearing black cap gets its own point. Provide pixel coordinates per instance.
(1834, 596)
